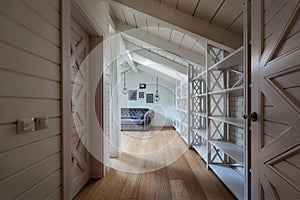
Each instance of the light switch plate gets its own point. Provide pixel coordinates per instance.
(41, 123)
(25, 126)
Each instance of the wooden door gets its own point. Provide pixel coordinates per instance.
(80, 47)
(275, 57)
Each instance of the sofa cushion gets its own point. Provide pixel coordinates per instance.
(133, 113)
(133, 121)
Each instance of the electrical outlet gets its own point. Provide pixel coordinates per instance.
(25, 126)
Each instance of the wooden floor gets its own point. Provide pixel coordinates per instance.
(156, 165)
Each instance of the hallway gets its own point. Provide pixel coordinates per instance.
(186, 178)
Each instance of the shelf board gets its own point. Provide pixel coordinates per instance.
(199, 95)
(201, 132)
(235, 58)
(202, 151)
(185, 139)
(199, 77)
(181, 98)
(230, 149)
(230, 120)
(184, 124)
(181, 110)
(238, 89)
(230, 178)
(202, 114)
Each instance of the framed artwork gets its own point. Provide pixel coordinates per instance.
(142, 85)
(149, 98)
(141, 95)
(132, 95)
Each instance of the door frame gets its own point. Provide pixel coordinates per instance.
(95, 167)
(247, 96)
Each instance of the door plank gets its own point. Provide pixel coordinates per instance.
(288, 13)
(283, 188)
(291, 44)
(290, 172)
(271, 11)
(274, 129)
(285, 63)
(278, 145)
(287, 111)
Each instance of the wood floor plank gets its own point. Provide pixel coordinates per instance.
(170, 172)
(162, 186)
(211, 185)
(178, 190)
(194, 189)
(147, 187)
(130, 189)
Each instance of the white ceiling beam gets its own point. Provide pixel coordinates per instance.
(127, 57)
(185, 23)
(125, 67)
(138, 54)
(161, 68)
(143, 36)
(157, 73)
(150, 70)
(151, 65)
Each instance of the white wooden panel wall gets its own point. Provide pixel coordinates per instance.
(30, 87)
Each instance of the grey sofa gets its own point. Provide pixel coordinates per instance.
(136, 119)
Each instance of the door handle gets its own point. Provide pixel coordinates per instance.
(252, 116)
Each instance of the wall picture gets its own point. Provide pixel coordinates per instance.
(149, 98)
(141, 95)
(142, 85)
(132, 95)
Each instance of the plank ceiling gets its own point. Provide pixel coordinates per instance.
(155, 50)
(227, 14)
(224, 13)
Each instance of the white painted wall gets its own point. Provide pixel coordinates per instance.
(30, 86)
(164, 109)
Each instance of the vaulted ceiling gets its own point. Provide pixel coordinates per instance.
(178, 30)
(224, 13)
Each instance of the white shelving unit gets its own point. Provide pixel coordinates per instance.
(230, 178)
(216, 124)
(198, 118)
(181, 121)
